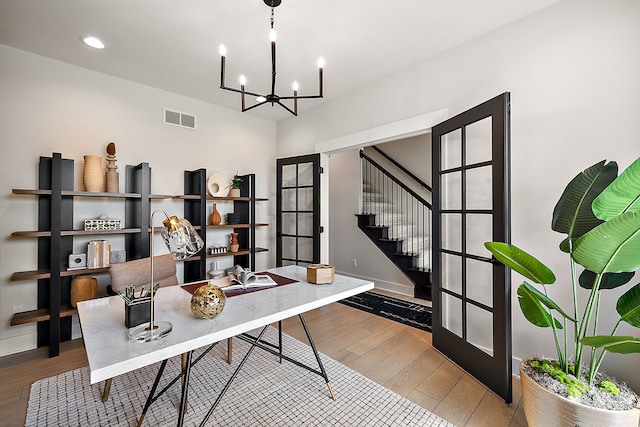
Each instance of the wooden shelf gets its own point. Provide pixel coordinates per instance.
(90, 194)
(240, 252)
(46, 274)
(231, 226)
(221, 199)
(75, 232)
(39, 315)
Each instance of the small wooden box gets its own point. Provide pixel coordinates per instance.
(320, 273)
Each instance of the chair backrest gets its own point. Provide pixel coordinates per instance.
(138, 272)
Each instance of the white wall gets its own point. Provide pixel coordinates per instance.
(50, 106)
(572, 71)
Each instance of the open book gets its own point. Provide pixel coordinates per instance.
(243, 278)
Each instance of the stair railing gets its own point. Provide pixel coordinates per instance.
(406, 214)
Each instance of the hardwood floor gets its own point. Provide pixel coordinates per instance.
(397, 356)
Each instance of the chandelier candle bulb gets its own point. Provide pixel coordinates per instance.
(223, 52)
(320, 68)
(295, 96)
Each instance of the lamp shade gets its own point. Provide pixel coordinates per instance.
(181, 238)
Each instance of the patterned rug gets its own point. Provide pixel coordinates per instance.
(408, 313)
(265, 393)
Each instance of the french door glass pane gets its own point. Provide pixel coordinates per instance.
(478, 142)
(452, 149)
(479, 230)
(305, 174)
(452, 314)
(451, 273)
(288, 175)
(451, 232)
(289, 223)
(305, 199)
(480, 281)
(305, 224)
(479, 184)
(288, 247)
(451, 184)
(305, 249)
(289, 199)
(480, 328)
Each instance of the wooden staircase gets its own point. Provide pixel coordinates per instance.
(393, 249)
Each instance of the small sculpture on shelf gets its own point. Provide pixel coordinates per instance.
(234, 246)
(112, 169)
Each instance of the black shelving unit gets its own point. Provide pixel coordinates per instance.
(196, 201)
(55, 242)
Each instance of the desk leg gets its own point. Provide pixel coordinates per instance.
(280, 339)
(184, 361)
(315, 352)
(185, 387)
(235, 373)
(151, 393)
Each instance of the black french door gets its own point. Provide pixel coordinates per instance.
(298, 210)
(471, 205)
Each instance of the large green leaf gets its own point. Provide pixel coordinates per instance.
(521, 262)
(545, 300)
(572, 214)
(613, 344)
(623, 195)
(609, 280)
(611, 247)
(628, 306)
(533, 310)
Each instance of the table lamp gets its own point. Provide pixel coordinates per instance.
(182, 241)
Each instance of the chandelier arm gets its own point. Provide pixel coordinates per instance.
(295, 113)
(254, 106)
(302, 97)
(240, 91)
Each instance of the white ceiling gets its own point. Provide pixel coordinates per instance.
(173, 44)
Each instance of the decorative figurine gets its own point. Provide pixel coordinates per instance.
(112, 170)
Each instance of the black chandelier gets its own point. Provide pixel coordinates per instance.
(271, 98)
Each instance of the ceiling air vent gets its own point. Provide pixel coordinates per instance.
(179, 119)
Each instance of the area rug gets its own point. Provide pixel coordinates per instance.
(408, 313)
(265, 393)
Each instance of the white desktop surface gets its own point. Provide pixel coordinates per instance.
(110, 353)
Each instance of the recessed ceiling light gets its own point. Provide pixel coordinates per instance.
(93, 42)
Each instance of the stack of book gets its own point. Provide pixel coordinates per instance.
(98, 254)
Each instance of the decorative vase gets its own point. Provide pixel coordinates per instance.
(208, 301)
(545, 408)
(234, 192)
(92, 175)
(83, 288)
(234, 246)
(215, 217)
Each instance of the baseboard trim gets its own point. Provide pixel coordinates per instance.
(383, 285)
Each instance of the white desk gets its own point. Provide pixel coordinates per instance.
(110, 353)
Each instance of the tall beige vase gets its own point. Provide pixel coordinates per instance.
(92, 174)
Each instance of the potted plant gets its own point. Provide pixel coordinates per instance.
(599, 212)
(235, 186)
